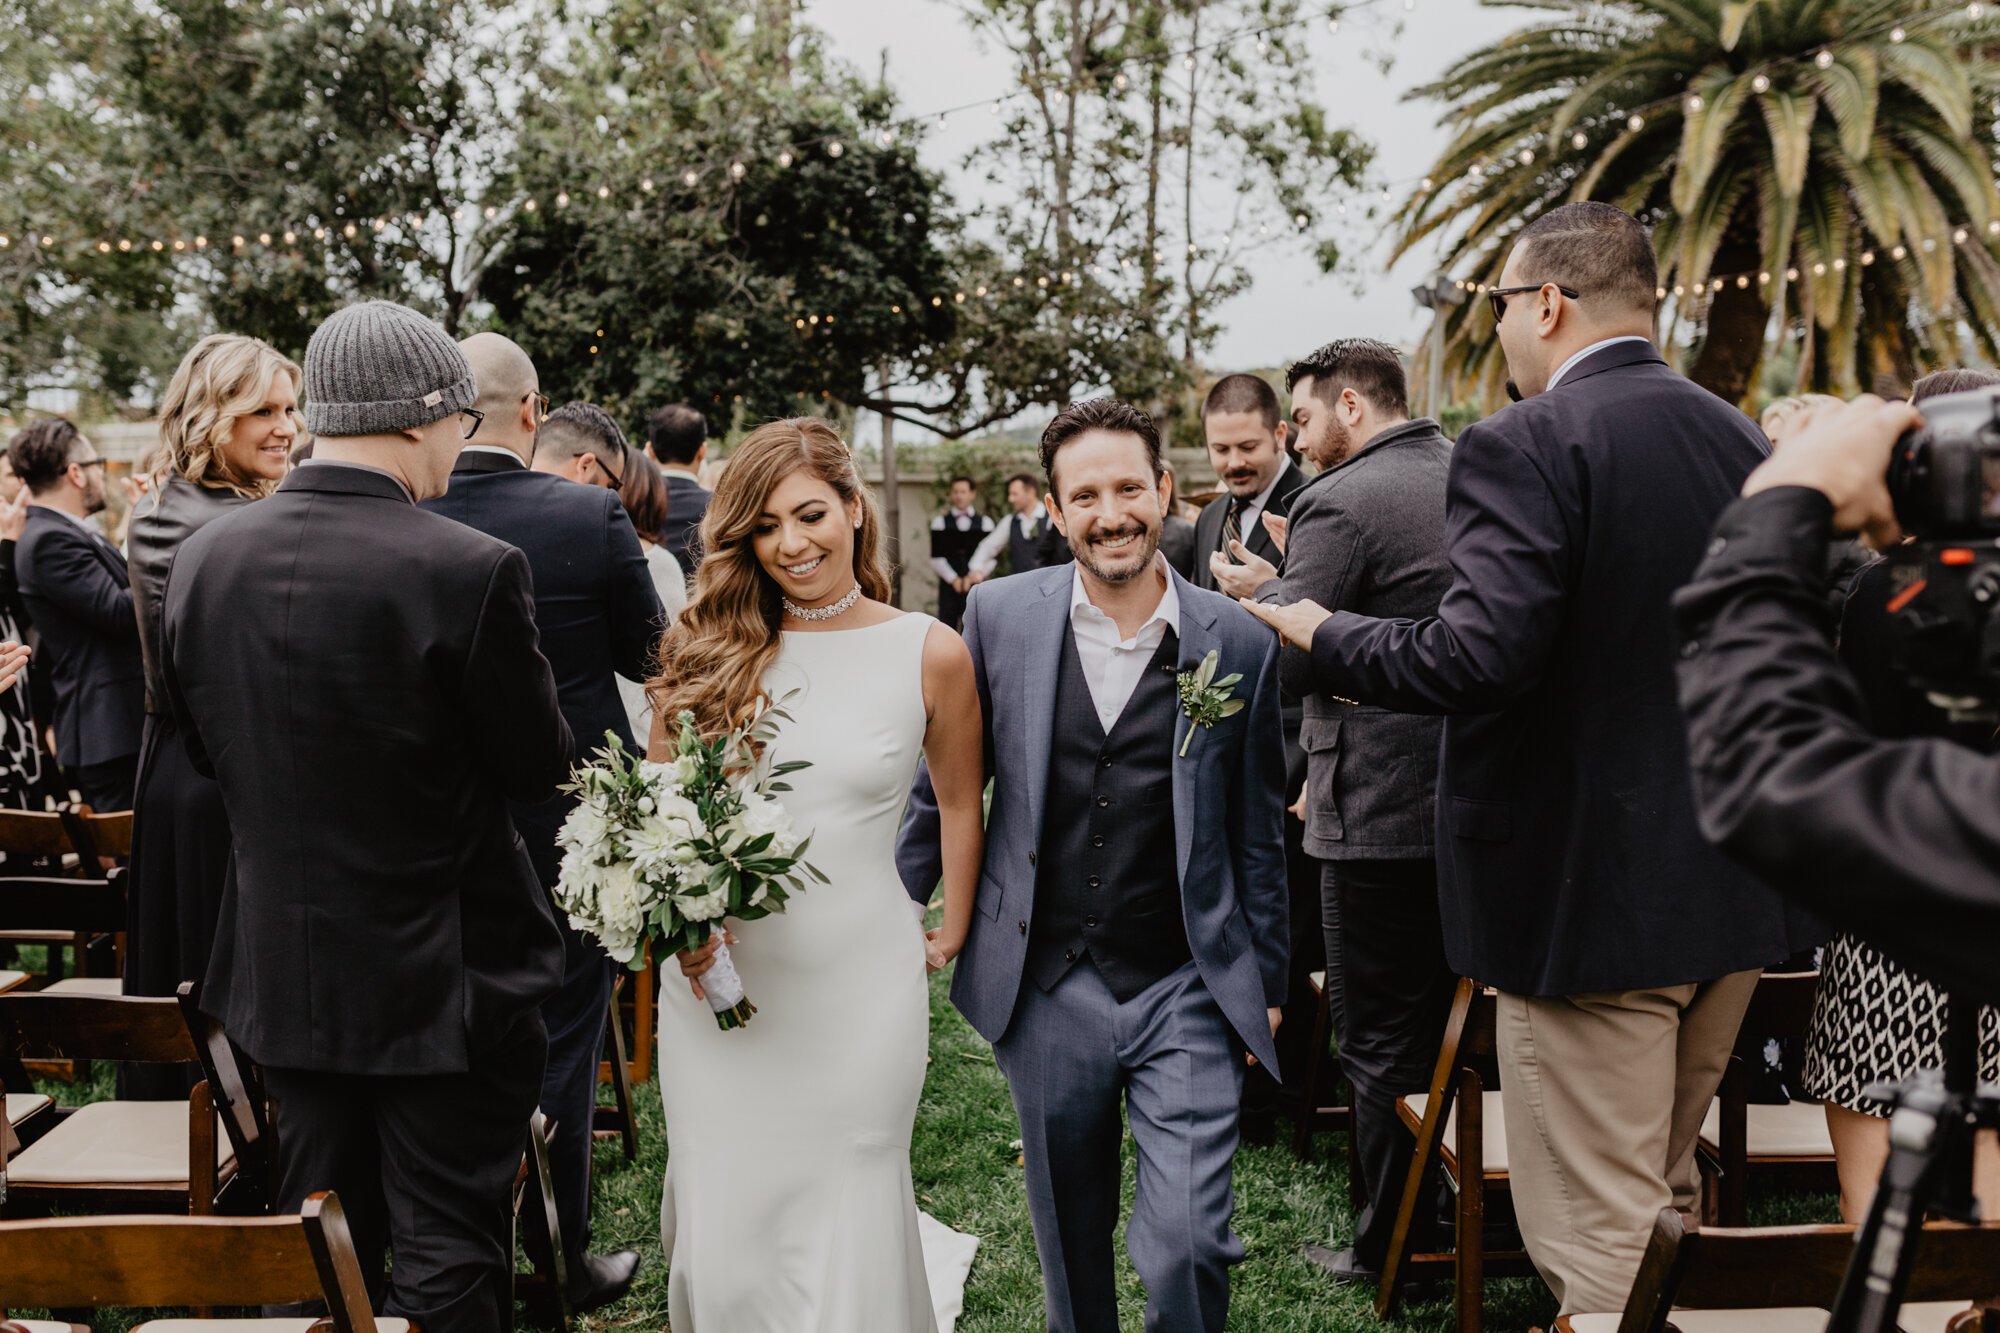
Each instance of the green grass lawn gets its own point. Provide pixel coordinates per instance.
(967, 1176)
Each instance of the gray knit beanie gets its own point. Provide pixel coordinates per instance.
(379, 366)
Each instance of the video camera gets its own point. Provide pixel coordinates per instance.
(1944, 597)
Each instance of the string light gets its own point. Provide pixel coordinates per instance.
(1636, 123)
(1824, 59)
(1761, 84)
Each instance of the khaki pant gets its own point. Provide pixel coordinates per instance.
(1604, 1096)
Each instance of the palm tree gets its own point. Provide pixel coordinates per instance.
(1828, 159)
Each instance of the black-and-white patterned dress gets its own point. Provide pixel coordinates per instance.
(1875, 1021)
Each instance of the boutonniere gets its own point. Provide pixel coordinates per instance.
(1206, 700)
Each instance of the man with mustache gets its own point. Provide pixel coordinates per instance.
(1246, 437)
(1130, 942)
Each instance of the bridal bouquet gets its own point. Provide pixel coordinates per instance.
(664, 851)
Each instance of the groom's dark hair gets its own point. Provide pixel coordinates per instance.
(1099, 414)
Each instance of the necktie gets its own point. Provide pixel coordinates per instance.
(1232, 525)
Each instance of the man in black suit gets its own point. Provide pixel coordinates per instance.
(76, 589)
(1246, 436)
(1572, 874)
(599, 619)
(678, 438)
(363, 680)
(1367, 535)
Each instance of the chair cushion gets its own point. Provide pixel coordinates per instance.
(49, 1326)
(1796, 1129)
(21, 1105)
(382, 1325)
(115, 1143)
(1318, 980)
(1718, 1321)
(251, 1325)
(86, 986)
(1492, 1122)
(9, 980)
(1929, 1316)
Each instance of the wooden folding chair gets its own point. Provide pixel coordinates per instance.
(72, 911)
(236, 1087)
(1790, 1142)
(122, 1156)
(546, 1289)
(128, 1262)
(1458, 1126)
(1785, 1279)
(36, 843)
(615, 1121)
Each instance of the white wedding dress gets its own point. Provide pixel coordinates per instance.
(788, 1204)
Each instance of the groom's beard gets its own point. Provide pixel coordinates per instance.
(1110, 566)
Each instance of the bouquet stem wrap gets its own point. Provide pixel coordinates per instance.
(723, 985)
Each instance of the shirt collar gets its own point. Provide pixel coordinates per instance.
(1598, 346)
(1035, 515)
(956, 512)
(83, 523)
(680, 469)
(500, 449)
(1168, 612)
(365, 467)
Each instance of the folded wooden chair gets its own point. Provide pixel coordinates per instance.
(63, 912)
(1789, 1143)
(36, 844)
(616, 1121)
(126, 1262)
(1318, 1110)
(1458, 1125)
(1785, 1279)
(119, 1156)
(99, 839)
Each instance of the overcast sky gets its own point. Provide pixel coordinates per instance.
(935, 62)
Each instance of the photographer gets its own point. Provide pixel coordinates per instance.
(1897, 841)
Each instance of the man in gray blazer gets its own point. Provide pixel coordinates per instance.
(1130, 940)
(1367, 535)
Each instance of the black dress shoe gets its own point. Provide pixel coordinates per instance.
(599, 1279)
(1344, 1266)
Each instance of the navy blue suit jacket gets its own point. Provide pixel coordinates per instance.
(77, 591)
(595, 608)
(1568, 856)
(1229, 805)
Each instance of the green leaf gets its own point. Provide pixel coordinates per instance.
(1233, 707)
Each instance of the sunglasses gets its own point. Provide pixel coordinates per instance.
(1497, 297)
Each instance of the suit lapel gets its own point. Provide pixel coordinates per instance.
(1197, 637)
(1043, 635)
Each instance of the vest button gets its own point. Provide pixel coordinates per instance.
(1093, 881)
(1031, 858)
(1023, 925)
(1097, 840)
(1103, 801)
(1069, 955)
(1104, 762)
(1090, 921)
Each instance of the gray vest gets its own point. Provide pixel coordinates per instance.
(1109, 882)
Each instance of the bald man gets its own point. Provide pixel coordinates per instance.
(598, 618)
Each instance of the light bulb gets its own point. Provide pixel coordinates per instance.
(647, 185)
(1120, 82)
(690, 177)
(1579, 140)
(604, 192)
(1742, 282)
(562, 200)
(1527, 157)
(1900, 252)
(785, 158)
(1897, 35)
(1695, 103)
(835, 149)
(1636, 123)
(737, 171)
(1761, 84)
(1302, 219)
(1824, 59)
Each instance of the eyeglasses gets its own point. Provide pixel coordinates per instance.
(478, 420)
(90, 462)
(541, 401)
(1497, 297)
(617, 478)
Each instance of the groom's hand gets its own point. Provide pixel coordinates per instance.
(1276, 1016)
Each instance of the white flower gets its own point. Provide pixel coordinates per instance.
(765, 814)
(686, 770)
(703, 906)
(588, 826)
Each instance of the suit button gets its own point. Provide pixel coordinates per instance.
(1031, 858)
(1103, 801)
(1090, 921)
(1104, 762)
(1093, 881)
(1023, 925)
(1069, 955)
(1097, 840)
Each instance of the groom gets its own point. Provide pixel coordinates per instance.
(1131, 934)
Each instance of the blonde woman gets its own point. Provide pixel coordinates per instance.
(788, 1201)
(226, 431)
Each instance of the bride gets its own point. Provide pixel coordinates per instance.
(788, 1203)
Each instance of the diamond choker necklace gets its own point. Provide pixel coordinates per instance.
(827, 612)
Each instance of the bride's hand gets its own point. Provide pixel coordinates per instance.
(696, 961)
(938, 952)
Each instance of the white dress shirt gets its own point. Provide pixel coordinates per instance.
(1568, 365)
(1113, 665)
(987, 558)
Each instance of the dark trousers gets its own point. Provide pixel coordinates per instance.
(1389, 989)
(424, 1166)
(575, 1017)
(951, 604)
(108, 786)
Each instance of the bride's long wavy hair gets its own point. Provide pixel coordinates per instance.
(712, 661)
